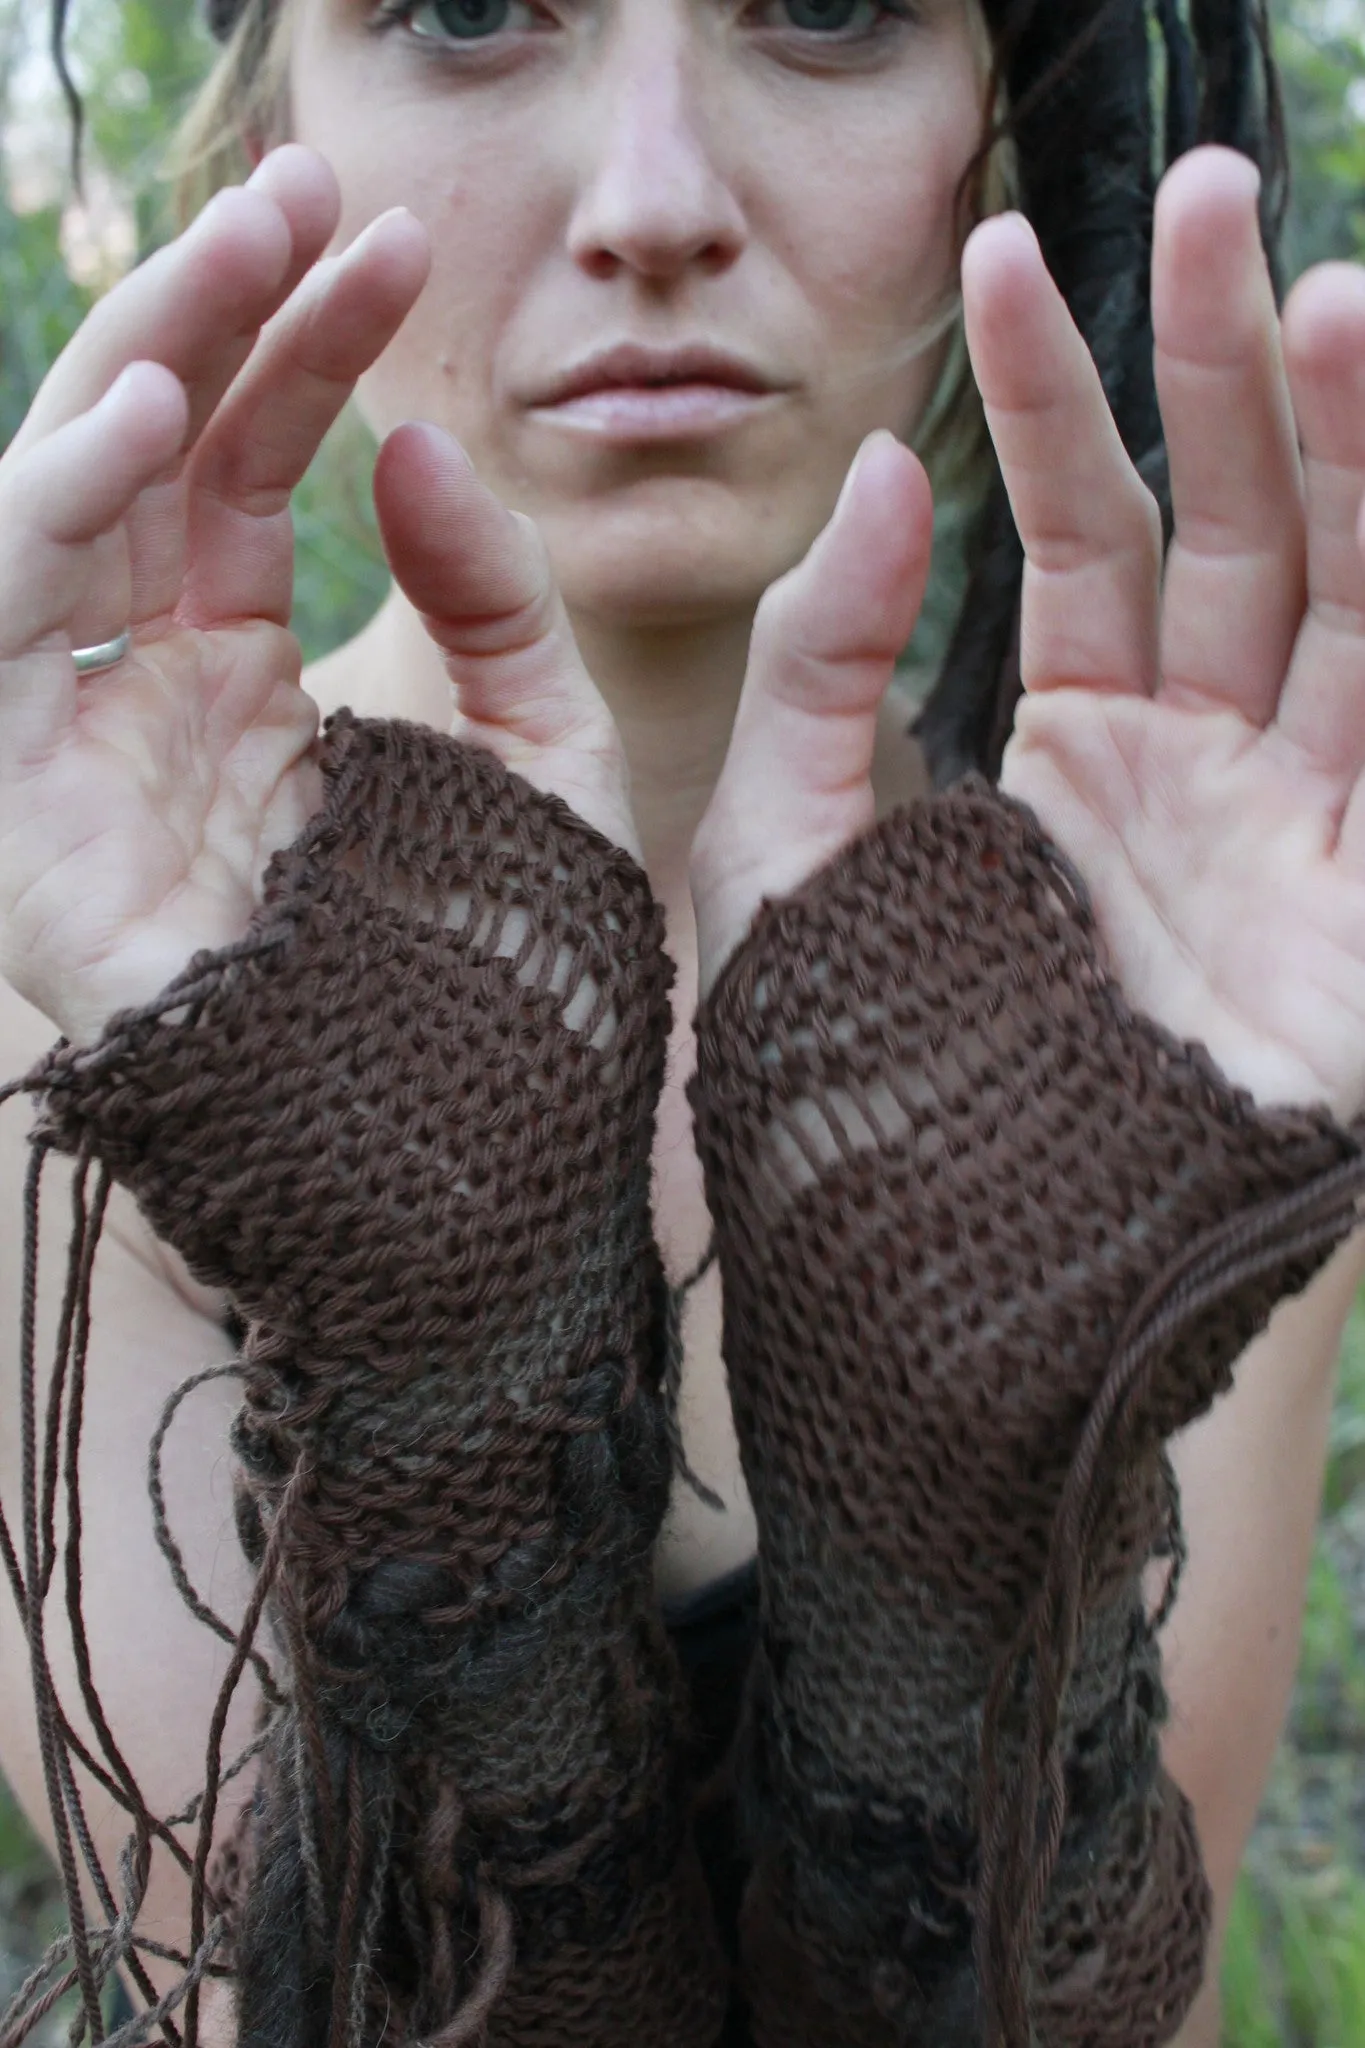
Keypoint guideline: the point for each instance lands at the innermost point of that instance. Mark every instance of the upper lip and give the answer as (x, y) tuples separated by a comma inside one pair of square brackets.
[(632, 363)]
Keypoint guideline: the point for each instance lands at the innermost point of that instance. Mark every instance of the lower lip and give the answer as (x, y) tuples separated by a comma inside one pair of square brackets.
[(658, 412)]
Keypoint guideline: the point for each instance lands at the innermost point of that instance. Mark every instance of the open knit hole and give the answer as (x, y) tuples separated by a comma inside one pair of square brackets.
[(548, 963), (904, 1104), (970, 1080)]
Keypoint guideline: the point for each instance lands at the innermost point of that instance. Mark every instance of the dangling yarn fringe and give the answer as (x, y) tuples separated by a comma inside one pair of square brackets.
[(39, 1567)]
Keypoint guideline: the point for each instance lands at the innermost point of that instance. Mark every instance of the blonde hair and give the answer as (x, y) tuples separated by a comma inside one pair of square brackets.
[(241, 109), (950, 436)]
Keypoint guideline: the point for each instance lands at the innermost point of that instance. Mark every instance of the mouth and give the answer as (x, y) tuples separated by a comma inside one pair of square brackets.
[(632, 393)]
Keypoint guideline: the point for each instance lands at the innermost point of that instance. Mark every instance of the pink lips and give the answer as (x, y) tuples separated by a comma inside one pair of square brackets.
[(634, 393)]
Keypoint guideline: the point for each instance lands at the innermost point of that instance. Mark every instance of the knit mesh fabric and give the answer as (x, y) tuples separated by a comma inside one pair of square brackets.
[(407, 1128), (946, 1165)]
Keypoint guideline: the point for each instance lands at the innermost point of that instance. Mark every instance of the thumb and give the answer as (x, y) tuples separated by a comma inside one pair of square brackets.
[(480, 577), (796, 785)]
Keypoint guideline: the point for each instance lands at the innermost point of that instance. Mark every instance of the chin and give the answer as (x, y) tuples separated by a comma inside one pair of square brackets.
[(658, 573)]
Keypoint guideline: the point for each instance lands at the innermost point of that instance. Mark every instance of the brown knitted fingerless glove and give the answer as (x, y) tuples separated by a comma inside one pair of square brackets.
[(406, 1125), (987, 1239)]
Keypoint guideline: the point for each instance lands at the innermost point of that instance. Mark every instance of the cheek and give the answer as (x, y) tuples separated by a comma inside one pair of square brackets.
[(891, 247), (475, 194), (443, 360), (876, 237)]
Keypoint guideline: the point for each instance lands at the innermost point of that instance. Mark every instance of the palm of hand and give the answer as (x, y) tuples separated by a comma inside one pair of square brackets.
[(150, 487), (1230, 902), (168, 792), (1191, 739)]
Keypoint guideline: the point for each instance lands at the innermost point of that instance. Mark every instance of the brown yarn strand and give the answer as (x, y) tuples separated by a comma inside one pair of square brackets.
[(43, 1689), (988, 1240), (44, 1475), (1016, 1864), (674, 1354), (74, 1337), (496, 1953), (405, 1126), (213, 1775), (165, 1538)]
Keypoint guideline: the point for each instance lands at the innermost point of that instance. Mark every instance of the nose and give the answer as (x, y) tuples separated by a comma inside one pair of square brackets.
[(653, 200)]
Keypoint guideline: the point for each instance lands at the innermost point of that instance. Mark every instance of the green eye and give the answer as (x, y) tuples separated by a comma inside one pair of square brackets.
[(464, 21), (824, 16)]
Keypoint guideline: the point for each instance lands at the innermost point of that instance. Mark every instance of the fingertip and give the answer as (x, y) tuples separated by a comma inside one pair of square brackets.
[(888, 483), (1004, 241), (240, 218), (1324, 319), (420, 448), (401, 241), (444, 532), (1214, 172), (1206, 219), (155, 396), (303, 185), (1015, 319), (1004, 275), (75, 483)]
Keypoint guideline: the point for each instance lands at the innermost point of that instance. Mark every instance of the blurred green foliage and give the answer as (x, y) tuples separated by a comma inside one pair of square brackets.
[(1321, 46)]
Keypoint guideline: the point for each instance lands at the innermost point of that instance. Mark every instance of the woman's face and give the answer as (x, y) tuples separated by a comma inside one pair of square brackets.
[(728, 218)]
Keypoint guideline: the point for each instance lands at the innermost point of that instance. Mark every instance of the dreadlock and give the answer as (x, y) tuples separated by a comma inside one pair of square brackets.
[(1101, 99)]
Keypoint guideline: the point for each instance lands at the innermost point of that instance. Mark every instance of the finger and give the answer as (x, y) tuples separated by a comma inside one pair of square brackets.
[(1321, 711), (796, 784), (197, 305), (271, 423), (303, 185), (1235, 573), (480, 577), (56, 506), (1090, 528)]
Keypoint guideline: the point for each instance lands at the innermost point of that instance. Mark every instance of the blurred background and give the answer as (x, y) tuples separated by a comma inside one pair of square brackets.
[(1295, 1964)]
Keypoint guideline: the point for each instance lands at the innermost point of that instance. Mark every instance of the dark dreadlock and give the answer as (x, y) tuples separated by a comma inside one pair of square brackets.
[(1102, 95)]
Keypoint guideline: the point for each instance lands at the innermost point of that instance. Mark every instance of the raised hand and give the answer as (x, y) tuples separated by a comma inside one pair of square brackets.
[(149, 489), (1198, 750), (1193, 743)]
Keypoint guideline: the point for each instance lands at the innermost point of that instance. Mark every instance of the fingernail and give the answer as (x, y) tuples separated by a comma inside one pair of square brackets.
[(853, 468), (860, 461), (372, 227), (1018, 223), (1250, 171)]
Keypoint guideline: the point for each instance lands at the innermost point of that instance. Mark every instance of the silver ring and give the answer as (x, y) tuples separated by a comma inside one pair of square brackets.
[(107, 654)]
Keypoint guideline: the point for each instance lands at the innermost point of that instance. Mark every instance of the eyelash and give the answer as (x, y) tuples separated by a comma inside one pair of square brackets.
[(889, 15), (400, 14)]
